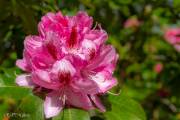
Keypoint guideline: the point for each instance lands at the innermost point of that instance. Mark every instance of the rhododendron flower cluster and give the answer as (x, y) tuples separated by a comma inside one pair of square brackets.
[(70, 61), (172, 35)]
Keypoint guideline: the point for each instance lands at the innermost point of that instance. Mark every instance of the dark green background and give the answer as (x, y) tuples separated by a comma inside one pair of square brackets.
[(139, 49)]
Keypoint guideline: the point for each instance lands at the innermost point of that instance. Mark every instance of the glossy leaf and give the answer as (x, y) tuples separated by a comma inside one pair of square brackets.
[(20, 103), (73, 114), (124, 108)]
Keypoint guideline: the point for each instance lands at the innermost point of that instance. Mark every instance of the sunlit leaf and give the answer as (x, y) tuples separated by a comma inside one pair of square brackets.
[(73, 114), (20, 103), (124, 108)]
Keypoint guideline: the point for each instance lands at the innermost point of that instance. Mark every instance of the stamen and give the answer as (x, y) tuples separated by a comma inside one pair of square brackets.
[(64, 100), (63, 96), (15, 73), (114, 93), (99, 26), (95, 26)]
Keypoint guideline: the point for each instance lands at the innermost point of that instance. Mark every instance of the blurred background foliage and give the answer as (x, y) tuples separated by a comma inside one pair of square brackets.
[(140, 47)]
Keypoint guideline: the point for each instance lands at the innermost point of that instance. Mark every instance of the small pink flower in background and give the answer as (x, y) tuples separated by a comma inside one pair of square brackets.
[(172, 35), (158, 67), (132, 22), (70, 61)]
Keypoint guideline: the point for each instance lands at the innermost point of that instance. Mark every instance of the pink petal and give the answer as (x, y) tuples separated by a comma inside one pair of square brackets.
[(41, 61), (98, 103), (24, 80), (85, 85), (97, 36), (88, 49), (52, 105), (104, 81), (84, 54), (78, 99), (52, 22), (63, 66), (21, 63), (35, 55), (52, 43), (84, 21), (45, 23), (32, 44), (79, 59), (73, 38), (42, 78), (106, 59)]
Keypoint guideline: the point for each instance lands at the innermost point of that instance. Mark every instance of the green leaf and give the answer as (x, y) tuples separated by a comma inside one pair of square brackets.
[(134, 91), (73, 114), (14, 92), (20, 104), (124, 108), (29, 107), (33, 107), (3, 109), (1, 81), (8, 75)]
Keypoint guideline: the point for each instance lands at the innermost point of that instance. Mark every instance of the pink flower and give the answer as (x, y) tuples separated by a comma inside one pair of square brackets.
[(132, 22), (158, 67), (172, 35), (70, 60)]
